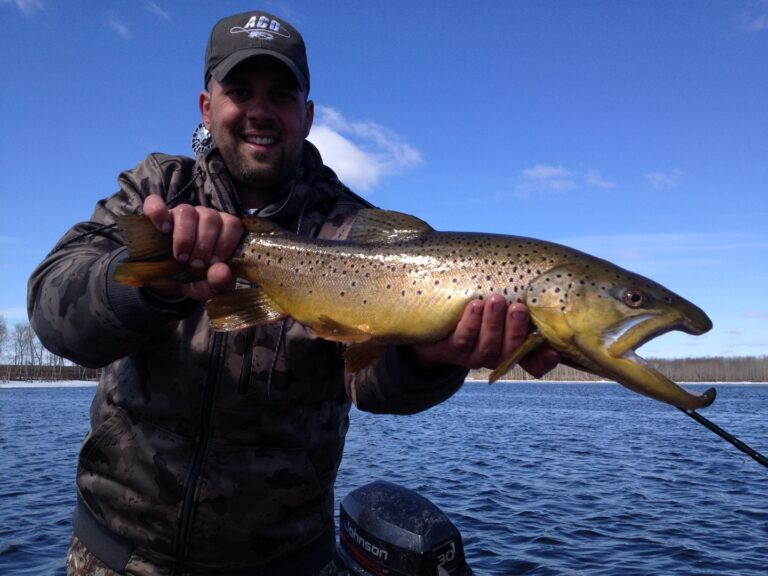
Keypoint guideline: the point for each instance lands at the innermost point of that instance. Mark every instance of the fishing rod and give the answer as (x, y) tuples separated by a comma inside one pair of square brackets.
[(748, 450)]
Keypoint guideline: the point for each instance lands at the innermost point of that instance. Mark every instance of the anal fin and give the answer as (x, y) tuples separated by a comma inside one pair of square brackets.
[(358, 356)]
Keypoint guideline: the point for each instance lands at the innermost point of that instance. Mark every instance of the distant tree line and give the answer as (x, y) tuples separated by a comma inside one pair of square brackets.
[(23, 357), (705, 369)]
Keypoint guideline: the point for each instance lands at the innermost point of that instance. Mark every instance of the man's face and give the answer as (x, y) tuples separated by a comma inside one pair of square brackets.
[(258, 117)]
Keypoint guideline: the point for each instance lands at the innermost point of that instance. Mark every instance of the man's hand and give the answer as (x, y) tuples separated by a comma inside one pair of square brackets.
[(202, 238), (488, 332)]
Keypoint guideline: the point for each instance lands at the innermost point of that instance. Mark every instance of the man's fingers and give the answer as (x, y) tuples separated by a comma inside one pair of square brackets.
[(156, 210), (540, 362), (220, 278), (488, 348), (229, 237), (184, 231), (206, 237), (516, 329), (465, 335)]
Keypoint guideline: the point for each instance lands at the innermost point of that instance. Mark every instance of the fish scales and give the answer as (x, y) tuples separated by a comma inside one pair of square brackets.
[(396, 280), (429, 281)]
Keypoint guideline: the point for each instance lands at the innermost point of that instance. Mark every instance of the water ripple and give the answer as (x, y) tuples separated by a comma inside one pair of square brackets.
[(541, 479)]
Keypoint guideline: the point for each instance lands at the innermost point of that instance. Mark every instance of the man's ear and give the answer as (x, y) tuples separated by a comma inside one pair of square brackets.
[(205, 108), (310, 117)]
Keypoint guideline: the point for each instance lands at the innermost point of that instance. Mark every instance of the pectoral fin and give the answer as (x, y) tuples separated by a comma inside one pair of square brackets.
[(241, 309), (534, 340)]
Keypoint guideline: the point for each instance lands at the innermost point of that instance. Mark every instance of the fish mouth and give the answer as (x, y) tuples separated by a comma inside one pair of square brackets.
[(623, 363), (633, 332)]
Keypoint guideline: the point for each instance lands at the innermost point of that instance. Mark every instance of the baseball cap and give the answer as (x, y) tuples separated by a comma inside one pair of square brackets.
[(236, 38)]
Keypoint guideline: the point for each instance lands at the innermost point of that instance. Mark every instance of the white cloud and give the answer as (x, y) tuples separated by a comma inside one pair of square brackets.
[(544, 178), (26, 7), (756, 24), (595, 180), (669, 251), (157, 11), (663, 180), (361, 153), (119, 27), (756, 314), (551, 178)]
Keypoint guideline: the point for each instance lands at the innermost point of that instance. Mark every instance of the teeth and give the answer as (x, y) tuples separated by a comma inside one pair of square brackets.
[(261, 140)]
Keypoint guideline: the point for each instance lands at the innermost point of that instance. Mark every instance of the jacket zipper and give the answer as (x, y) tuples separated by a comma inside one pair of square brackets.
[(245, 371), (201, 445)]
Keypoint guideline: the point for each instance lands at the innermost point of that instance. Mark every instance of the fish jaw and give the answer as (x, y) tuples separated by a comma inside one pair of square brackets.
[(597, 316), (635, 373)]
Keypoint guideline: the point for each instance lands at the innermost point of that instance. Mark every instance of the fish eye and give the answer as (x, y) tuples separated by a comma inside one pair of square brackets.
[(633, 298)]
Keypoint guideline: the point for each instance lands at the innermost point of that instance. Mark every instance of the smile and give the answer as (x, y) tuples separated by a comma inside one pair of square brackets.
[(260, 140)]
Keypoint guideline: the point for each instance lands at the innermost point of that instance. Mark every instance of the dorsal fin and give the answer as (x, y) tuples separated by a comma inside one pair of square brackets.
[(387, 227), (258, 225)]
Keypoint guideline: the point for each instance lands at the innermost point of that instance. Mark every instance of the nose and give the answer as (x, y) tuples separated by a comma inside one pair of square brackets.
[(260, 108)]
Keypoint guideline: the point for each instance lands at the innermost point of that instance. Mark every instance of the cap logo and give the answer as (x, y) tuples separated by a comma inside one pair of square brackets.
[(261, 27)]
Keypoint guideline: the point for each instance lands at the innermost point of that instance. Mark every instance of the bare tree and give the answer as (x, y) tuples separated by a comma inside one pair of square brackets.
[(3, 336), (27, 349)]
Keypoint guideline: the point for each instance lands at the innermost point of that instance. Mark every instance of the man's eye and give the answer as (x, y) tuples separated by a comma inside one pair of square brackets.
[(238, 94), (284, 95)]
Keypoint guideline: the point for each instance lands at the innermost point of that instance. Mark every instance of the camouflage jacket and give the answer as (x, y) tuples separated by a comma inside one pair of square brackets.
[(210, 452)]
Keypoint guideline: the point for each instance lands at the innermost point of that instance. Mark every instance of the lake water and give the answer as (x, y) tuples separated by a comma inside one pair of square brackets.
[(544, 479)]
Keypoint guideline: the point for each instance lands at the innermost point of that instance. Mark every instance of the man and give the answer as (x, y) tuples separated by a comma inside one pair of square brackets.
[(216, 453)]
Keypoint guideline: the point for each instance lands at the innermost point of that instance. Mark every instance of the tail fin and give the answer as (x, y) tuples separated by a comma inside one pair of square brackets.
[(150, 256)]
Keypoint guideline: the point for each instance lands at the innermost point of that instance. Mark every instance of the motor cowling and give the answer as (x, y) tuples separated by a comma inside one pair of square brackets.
[(386, 529)]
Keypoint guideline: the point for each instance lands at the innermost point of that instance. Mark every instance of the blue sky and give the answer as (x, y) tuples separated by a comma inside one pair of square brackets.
[(637, 131)]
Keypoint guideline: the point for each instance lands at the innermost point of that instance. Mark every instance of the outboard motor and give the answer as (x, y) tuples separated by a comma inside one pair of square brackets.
[(386, 529)]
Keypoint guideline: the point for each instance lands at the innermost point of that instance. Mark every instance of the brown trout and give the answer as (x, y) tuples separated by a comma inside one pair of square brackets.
[(397, 280)]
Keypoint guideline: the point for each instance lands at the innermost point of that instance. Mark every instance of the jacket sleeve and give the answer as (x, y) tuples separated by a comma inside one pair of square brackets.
[(397, 384), (75, 307)]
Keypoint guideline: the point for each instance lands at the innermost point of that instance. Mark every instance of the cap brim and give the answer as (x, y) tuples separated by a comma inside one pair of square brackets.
[(229, 63)]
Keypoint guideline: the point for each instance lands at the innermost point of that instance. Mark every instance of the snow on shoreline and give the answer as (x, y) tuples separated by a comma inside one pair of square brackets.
[(48, 384)]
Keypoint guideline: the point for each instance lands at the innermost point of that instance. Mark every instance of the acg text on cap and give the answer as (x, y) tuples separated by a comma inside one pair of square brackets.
[(242, 36)]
